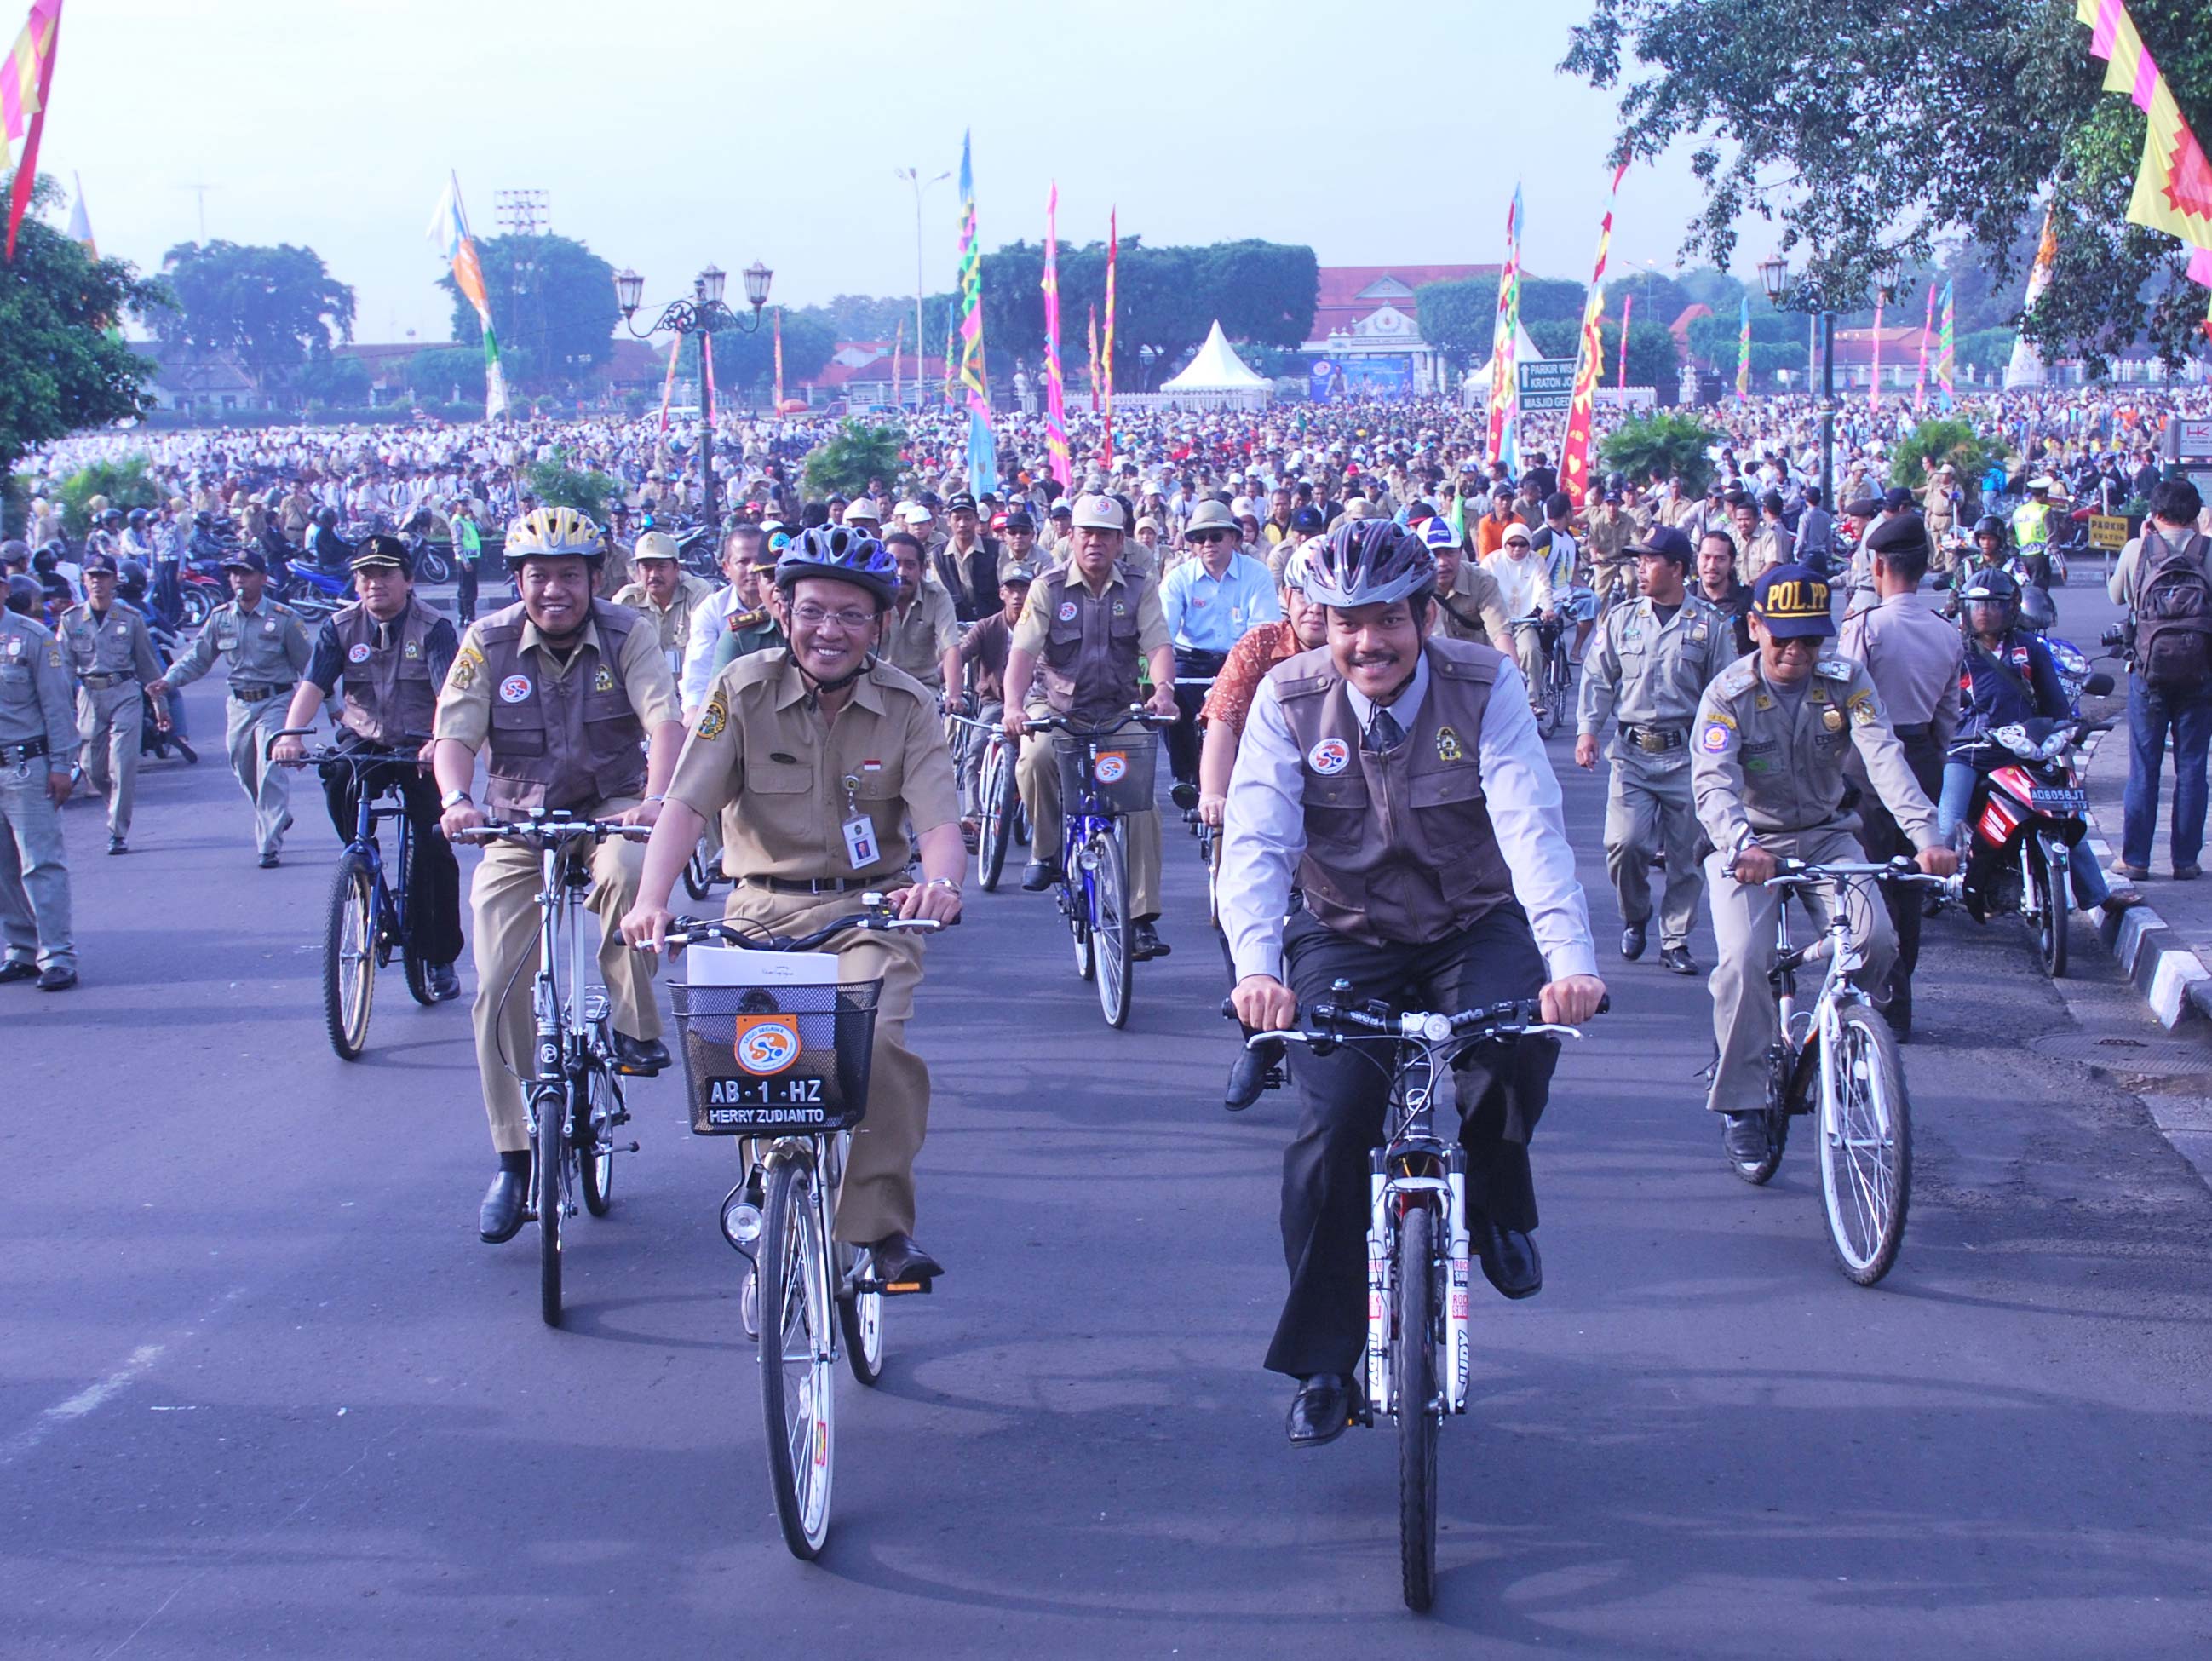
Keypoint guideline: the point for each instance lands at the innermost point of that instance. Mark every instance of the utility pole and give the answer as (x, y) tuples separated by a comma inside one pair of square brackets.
[(913, 176), (527, 213), (200, 192)]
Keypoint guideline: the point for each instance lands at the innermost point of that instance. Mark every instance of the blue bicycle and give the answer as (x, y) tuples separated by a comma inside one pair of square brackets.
[(1106, 774), (367, 919)]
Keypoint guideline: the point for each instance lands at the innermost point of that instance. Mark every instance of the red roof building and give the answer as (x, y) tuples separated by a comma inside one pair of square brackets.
[(1350, 295)]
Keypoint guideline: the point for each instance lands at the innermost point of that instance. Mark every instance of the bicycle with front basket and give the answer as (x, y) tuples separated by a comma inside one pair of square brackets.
[(1837, 1057), (1419, 1349), (573, 1088), (784, 1063)]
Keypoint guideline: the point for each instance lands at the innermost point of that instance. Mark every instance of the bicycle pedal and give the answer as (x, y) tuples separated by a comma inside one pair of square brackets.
[(896, 1288), (637, 1072)]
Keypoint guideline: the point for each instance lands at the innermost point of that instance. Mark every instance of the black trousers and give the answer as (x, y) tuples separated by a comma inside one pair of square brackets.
[(465, 589), (1183, 737), (1501, 1087), (1882, 838), (434, 880)]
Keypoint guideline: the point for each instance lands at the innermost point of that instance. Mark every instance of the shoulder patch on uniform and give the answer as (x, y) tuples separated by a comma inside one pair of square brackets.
[(712, 720), (1834, 668), (1717, 736), (1736, 680)]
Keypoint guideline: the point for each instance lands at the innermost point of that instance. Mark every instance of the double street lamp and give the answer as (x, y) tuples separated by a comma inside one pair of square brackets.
[(1774, 277), (703, 313)]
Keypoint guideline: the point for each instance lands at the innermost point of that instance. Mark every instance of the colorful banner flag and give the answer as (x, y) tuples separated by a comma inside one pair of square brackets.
[(1874, 385), (1106, 355), (449, 231), (2173, 180), (1094, 360), (1945, 357), (898, 349), (1920, 382), (1743, 349), (1589, 363), (80, 222), (668, 382), (1627, 305), (1055, 394), (779, 363), (2026, 367), (982, 445), (1504, 397), (27, 83)]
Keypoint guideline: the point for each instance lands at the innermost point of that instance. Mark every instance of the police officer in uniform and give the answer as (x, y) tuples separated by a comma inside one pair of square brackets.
[(1651, 662), (572, 700), (391, 653), (1913, 657), (109, 650), (38, 735), (1086, 629), (267, 644), (1767, 769), (826, 754)]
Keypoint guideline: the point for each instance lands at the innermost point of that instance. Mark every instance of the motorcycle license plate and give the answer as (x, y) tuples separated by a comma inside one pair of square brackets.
[(2053, 799)]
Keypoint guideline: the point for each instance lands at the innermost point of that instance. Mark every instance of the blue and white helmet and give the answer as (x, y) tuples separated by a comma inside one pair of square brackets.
[(1369, 562), (841, 552)]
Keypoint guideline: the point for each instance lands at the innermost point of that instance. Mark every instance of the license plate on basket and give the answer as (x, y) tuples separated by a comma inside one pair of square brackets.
[(791, 1100), (2053, 799)]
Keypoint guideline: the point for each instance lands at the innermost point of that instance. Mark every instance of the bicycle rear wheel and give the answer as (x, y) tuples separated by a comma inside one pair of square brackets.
[(349, 955), (998, 800), (1212, 847), (1866, 1146), (595, 1139), (861, 1316), (1414, 1370), (548, 1146), (799, 1382), (1109, 876), (417, 967)]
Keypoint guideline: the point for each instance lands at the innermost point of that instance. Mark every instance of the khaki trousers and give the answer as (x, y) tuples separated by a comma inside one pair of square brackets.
[(1647, 808), (111, 721), (1037, 772), (34, 879), (877, 1197), (269, 787), (504, 898), (1743, 929)]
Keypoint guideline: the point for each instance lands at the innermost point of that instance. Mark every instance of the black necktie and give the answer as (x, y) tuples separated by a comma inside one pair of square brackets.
[(1383, 733)]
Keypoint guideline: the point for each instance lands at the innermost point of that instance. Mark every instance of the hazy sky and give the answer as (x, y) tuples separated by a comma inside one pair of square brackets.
[(670, 136)]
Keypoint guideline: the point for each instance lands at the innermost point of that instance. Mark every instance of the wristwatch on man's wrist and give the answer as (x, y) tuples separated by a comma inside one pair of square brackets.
[(453, 799)]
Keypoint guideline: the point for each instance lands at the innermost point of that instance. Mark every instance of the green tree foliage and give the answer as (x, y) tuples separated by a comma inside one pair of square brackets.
[(1778, 340), (1459, 318), (1654, 359), (272, 307), (856, 453), (1667, 443), (1955, 118), (328, 381), (1986, 350), (746, 361), (62, 364), (435, 372), (1659, 299), (125, 484), (1946, 438), (557, 484), (552, 305)]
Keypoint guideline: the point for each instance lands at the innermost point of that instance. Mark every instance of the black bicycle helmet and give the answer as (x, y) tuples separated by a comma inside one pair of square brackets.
[(1369, 562), (843, 553)]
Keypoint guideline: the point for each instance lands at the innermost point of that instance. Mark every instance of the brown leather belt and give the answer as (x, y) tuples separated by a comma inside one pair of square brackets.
[(259, 694), (101, 683), (28, 749)]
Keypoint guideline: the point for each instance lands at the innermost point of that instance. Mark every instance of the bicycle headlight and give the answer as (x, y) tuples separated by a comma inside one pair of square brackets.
[(1435, 1028)]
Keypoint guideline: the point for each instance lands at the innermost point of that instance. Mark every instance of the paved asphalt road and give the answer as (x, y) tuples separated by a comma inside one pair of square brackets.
[(263, 1390)]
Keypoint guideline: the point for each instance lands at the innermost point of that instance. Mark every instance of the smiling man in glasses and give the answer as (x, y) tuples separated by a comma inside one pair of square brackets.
[(1211, 603)]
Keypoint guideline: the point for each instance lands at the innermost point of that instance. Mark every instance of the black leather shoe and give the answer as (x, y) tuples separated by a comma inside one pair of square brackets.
[(1898, 1012), (1248, 1077), (1146, 944), (54, 979), (1320, 1411), (1510, 1264), (899, 1260), (1745, 1139), (1037, 876), (1677, 957), (445, 984), (1631, 942), (268, 861), (18, 972), (643, 1056), (117, 845), (505, 1204)]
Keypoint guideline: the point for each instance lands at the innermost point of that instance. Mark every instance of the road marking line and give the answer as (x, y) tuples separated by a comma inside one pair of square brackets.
[(99, 1393)]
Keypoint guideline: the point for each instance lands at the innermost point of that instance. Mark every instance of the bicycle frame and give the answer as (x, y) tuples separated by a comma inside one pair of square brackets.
[(1839, 988), (559, 1023), (1402, 1173)]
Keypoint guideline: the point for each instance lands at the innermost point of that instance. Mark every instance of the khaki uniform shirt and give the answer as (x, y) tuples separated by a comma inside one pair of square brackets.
[(34, 689), (465, 704), (1913, 657), (1645, 673), (1764, 763), (918, 641), (1063, 597), (1474, 610), (268, 646), (673, 626), (1611, 531), (117, 643), (760, 744)]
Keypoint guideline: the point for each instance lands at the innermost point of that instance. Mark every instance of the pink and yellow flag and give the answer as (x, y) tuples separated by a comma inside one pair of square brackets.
[(1106, 352), (1574, 456), (1055, 392), (27, 82), (2173, 179)]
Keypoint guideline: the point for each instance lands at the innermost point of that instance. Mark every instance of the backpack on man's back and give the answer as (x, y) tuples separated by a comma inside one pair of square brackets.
[(2172, 603)]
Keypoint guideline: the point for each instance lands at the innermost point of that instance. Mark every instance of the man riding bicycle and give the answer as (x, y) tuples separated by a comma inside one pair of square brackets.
[(826, 753), (1400, 777), (391, 653), (571, 699)]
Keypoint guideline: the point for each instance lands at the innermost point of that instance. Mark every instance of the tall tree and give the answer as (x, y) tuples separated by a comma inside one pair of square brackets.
[(1868, 133), (62, 361), (271, 306), (553, 306)]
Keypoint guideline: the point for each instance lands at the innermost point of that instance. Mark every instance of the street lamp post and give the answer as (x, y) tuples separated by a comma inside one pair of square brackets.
[(913, 176), (701, 313), (1774, 276)]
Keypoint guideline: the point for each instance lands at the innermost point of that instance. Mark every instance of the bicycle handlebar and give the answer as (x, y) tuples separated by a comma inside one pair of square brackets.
[(1797, 873), (553, 831), (693, 931), (1330, 1024), (1136, 712), (361, 755)]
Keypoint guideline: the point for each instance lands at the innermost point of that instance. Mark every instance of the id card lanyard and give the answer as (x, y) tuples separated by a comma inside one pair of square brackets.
[(859, 830)]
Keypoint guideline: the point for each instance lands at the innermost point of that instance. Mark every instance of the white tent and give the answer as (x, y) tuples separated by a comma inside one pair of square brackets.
[(1524, 351), (1217, 369)]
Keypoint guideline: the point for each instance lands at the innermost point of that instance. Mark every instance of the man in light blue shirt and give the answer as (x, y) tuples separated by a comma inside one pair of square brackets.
[(1211, 602)]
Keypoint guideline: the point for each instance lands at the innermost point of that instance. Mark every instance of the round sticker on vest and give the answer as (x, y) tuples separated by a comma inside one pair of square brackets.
[(1112, 766), (358, 652), (1329, 756), (1067, 611), (514, 688)]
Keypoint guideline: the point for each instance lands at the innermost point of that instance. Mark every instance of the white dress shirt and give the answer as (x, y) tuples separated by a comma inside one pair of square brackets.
[(1264, 832), (710, 620)]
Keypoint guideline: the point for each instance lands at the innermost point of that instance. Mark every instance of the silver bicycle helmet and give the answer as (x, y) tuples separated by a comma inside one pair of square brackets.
[(1369, 562)]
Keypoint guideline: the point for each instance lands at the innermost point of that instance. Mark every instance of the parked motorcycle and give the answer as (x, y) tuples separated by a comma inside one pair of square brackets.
[(2025, 816)]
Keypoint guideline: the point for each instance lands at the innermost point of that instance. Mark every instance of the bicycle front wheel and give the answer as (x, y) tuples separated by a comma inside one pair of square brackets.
[(595, 1139), (1212, 848), (698, 876), (2054, 894), (1866, 1146), (548, 1146), (1109, 929), (799, 1381), (1414, 1368), (349, 955), (999, 800)]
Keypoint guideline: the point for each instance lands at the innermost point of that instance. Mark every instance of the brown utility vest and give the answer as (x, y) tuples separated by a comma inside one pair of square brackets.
[(1399, 847), (565, 743), (1089, 664), (389, 694)]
